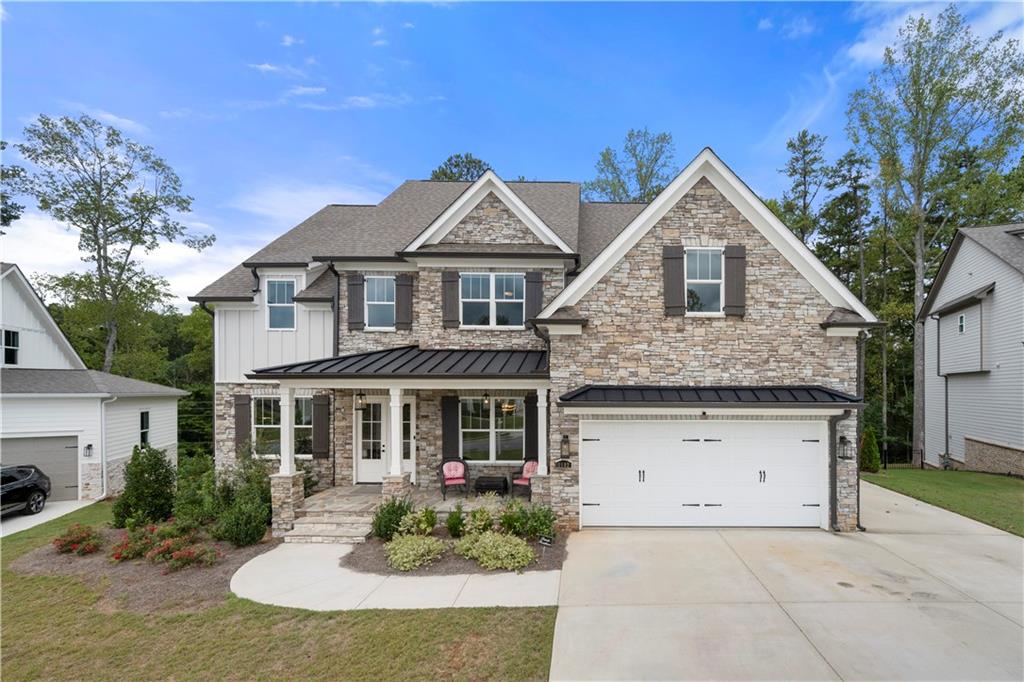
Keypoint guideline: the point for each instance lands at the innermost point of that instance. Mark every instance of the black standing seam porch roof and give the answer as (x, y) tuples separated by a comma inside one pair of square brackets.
[(710, 396), (416, 362)]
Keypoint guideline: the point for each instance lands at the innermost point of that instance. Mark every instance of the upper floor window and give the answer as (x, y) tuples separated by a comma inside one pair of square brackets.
[(704, 281), (266, 424), (11, 344), (281, 304), (144, 427), (380, 303), (492, 299), (961, 323)]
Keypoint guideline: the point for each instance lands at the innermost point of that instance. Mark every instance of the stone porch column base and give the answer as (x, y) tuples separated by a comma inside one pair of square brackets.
[(396, 486), (540, 489), (286, 497)]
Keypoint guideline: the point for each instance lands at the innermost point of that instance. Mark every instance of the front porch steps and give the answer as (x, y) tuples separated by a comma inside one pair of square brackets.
[(328, 527)]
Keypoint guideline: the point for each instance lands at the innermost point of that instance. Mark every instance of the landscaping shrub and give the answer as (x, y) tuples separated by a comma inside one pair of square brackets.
[(148, 488), (245, 521), (456, 521), (494, 550), (389, 515), (163, 550), (420, 522), (480, 520), (79, 539), (193, 555), (196, 500), (870, 460), (134, 544), (309, 478), (540, 520), (513, 518), (406, 552)]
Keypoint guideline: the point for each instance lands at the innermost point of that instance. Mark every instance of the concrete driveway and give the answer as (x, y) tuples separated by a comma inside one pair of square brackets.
[(17, 522), (925, 594)]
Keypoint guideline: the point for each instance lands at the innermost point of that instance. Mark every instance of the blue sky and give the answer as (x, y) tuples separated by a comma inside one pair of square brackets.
[(270, 110)]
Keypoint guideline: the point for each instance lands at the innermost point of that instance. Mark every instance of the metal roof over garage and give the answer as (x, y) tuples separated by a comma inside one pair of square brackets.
[(709, 396)]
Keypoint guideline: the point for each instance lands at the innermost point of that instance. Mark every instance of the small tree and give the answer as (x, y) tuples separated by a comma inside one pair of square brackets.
[(869, 459), (148, 494), (806, 170), (639, 173), (460, 167)]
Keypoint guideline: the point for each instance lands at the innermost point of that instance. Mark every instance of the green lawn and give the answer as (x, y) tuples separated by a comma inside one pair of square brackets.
[(989, 498), (52, 630)]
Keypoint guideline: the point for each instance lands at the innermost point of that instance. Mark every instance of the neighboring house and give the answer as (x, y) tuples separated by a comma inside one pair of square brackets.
[(685, 362), (974, 357), (78, 425)]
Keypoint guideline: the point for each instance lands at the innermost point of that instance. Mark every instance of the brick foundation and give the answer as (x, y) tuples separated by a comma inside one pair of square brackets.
[(992, 458)]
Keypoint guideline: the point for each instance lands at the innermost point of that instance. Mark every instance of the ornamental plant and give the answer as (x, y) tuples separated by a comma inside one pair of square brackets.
[(388, 517), (495, 550), (480, 520), (79, 539), (408, 552), (420, 522), (163, 550), (192, 555), (148, 494), (456, 521), (134, 544), (870, 460)]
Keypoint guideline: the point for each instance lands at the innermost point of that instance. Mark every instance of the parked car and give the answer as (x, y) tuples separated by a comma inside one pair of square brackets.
[(23, 488)]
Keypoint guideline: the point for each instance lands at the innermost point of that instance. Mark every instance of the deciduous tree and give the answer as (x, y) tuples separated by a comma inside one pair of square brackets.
[(639, 172)]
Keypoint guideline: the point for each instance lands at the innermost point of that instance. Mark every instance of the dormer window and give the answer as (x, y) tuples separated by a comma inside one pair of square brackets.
[(704, 281), (11, 345), (281, 304), (492, 299)]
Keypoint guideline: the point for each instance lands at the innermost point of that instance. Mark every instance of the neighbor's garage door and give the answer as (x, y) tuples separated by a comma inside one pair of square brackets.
[(703, 473), (56, 457)]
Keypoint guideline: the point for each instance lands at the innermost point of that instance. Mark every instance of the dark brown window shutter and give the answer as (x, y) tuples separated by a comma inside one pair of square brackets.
[(403, 301), (243, 423), (356, 298), (450, 427), (735, 280), (673, 260), (450, 299), (530, 427), (321, 426), (534, 294)]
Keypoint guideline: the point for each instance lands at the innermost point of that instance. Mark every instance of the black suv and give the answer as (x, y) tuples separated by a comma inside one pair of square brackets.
[(23, 488)]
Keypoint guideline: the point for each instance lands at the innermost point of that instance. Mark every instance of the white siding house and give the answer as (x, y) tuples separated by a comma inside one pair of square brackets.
[(78, 425), (974, 357)]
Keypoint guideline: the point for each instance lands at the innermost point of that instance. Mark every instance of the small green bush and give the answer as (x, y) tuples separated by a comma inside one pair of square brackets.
[(310, 479), (148, 488), (420, 522), (513, 518), (79, 539), (540, 520), (195, 497), (494, 550), (480, 520), (870, 460), (407, 552), (389, 516), (245, 521), (456, 521)]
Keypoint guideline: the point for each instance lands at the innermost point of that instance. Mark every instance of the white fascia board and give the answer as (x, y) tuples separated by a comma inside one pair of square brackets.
[(484, 262), (29, 292), (413, 384), (697, 411), (54, 396), (707, 164), (467, 201), (561, 329), (373, 266), (843, 331)]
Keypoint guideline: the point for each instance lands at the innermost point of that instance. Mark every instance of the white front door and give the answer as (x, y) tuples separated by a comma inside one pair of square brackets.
[(372, 429), (704, 473)]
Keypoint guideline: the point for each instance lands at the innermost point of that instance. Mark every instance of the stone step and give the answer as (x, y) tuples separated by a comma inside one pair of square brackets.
[(341, 533), (341, 516), (314, 525)]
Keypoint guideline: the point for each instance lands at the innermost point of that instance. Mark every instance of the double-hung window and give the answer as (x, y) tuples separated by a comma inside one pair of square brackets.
[(492, 299), (380, 303), (704, 281), (144, 427), (281, 304), (266, 424), (493, 430), (11, 345)]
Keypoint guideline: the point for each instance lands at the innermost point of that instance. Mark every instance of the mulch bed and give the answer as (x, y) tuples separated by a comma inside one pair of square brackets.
[(142, 586), (369, 557)]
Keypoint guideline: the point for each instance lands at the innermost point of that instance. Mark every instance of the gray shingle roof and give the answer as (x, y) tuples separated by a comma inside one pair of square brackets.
[(599, 225), (1000, 240), (758, 396), (844, 317), (413, 361), (15, 380), (321, 288)]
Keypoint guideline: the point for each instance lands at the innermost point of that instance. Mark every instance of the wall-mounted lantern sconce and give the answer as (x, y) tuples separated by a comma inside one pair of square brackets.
[(843, 450), (563, 461), (88, 450), (360, 401), (487, 398)]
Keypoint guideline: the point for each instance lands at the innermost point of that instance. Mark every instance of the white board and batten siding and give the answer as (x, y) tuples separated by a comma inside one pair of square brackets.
[(123, 426), (37, 346), (987, 405), (243, 341)]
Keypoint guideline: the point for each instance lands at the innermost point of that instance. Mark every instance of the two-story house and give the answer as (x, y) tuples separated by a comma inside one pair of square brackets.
[(974, 357), (686, 362), (78, 425)]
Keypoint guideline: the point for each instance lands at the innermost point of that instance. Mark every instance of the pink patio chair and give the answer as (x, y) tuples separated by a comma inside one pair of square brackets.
[(522, 479), (452, 473)]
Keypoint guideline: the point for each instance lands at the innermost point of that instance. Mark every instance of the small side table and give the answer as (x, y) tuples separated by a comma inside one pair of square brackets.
[(486, 484)]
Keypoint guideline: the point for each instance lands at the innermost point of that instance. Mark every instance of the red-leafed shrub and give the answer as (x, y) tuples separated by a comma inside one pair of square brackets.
[(79, 539), (193, 555)]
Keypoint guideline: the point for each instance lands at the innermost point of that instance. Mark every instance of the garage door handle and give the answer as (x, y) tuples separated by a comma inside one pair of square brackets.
[(691, 440), (591, 504), (591, 440), (712, 440), (811, 440), (812, 505), (690, 505), (712, 505)]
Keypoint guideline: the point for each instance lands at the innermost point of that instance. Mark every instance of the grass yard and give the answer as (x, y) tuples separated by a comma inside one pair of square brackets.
[(989, 498), (51, 629)]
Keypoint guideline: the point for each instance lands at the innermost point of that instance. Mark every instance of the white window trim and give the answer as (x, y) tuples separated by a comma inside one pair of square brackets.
[(16, 347), (253, 427), (961, 323), (720, 281), (492, 431), (269, 305), (149, 427), (493, 304), (367, 304)]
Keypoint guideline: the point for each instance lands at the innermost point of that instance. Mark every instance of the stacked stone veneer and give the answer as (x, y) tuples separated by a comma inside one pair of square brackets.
[(629, 340), (491, 222)]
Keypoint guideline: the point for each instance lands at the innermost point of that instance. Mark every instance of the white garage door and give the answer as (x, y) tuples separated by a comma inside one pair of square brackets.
[(704, 473), (57, 457)]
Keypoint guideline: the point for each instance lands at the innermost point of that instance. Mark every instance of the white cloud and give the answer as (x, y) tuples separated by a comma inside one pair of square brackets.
[(380, 42), (282, 69), (765, 24), (377, 31), (372, 101), (408, 25), (186, 113), (289, 40), (310, 61), (285, 203), (124, 124), (797, 28), (303, 90)]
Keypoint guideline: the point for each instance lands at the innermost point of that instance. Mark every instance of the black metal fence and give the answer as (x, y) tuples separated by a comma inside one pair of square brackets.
[(905, 459)]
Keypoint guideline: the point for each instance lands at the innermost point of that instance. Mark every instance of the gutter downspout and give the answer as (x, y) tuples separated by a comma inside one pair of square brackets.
[(205, 308), (334, 307), (833, 484), (103, 443), (862, 338)]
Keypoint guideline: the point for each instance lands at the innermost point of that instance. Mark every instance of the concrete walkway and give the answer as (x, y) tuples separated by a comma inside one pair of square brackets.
[(307, 576), (925, 594), (16, 522)]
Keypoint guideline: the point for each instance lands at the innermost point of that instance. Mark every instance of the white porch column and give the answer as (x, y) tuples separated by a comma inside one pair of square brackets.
[(542, 431), (287, 429), (394, 440)]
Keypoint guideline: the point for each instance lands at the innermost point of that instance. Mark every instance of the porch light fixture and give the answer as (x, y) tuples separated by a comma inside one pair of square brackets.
[(88, 450), (563, 461), (487, 398), (843, 448), (360, 401)]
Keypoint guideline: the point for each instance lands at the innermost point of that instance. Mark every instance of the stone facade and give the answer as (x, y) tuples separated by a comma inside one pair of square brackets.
[(491, 222), (286, 498), (629, 340), (993, 458)]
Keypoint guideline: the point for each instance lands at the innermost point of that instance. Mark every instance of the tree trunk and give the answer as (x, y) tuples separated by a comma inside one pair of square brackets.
[(885, 343), (108, 351), (917, 448)]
